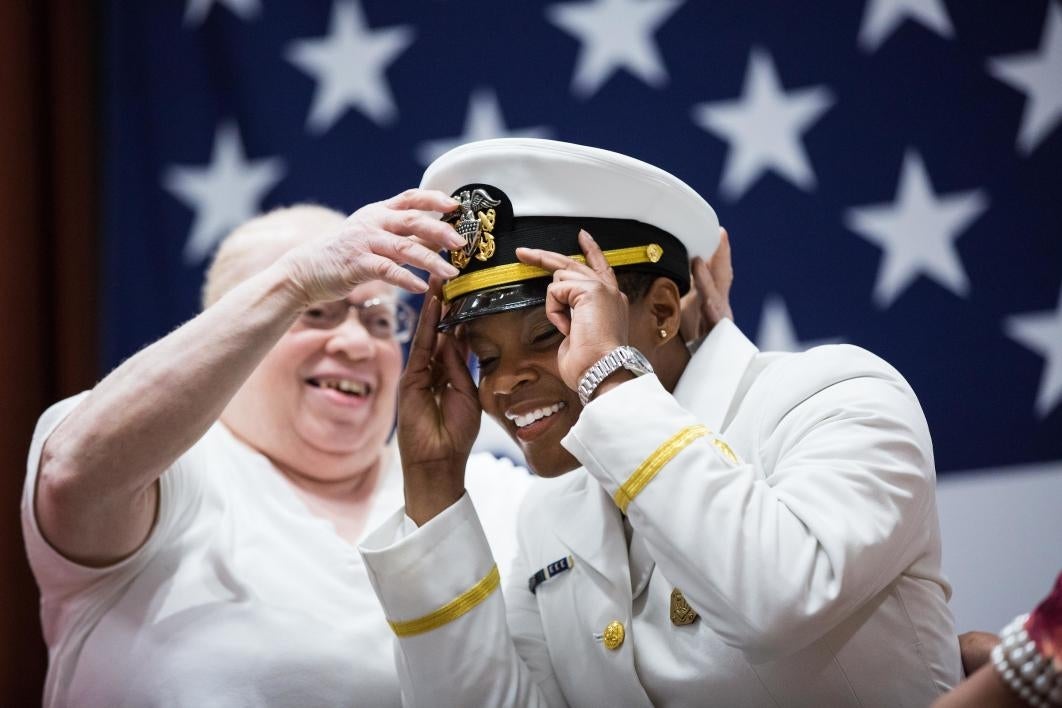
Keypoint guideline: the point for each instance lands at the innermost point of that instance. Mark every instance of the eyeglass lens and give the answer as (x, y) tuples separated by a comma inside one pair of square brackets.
[(382, 319)]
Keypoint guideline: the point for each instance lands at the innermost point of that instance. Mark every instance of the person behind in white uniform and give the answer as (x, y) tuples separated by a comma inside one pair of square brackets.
[(191, 521), (722, 527)]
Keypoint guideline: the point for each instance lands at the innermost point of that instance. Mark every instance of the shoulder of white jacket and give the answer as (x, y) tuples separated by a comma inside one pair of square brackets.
[(788, 381), (828, 364)]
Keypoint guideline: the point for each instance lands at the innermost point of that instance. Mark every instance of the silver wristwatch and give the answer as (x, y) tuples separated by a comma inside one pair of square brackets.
[(623, 357)]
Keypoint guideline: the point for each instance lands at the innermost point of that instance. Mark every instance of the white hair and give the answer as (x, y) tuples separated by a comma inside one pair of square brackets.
[(255, 245)]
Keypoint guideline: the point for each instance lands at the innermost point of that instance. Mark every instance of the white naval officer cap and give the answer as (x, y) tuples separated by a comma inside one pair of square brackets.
[(539, 193)]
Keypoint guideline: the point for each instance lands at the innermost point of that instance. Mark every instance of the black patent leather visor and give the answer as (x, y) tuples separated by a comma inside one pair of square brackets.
[(503, 298)]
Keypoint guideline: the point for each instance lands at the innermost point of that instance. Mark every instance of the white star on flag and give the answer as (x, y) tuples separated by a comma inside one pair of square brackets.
[(348, 65), (483, 121), (1042, 333), (615, 34), (917, 232), (776, 332), (1039, 76), (224, 194), (196, 11), (764, 128), (882, 17)]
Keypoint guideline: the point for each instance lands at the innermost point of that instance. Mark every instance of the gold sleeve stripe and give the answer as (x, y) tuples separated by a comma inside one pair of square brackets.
[(517, 272), (725, 449), (451, 610), (654, 463)]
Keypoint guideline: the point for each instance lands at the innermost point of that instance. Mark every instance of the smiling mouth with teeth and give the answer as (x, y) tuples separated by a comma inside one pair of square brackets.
[(346, 386), (522, 421)]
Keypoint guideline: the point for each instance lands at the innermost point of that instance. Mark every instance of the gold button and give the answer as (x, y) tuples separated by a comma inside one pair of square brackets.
[(614, 634)]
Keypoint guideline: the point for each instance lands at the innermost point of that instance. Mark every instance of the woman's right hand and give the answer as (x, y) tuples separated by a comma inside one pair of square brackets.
[(373, 244), (438, 418)]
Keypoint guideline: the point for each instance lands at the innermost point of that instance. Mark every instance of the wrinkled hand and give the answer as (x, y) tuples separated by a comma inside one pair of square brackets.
[(708, 300), (438, 417), (373, 244), (584, 303)]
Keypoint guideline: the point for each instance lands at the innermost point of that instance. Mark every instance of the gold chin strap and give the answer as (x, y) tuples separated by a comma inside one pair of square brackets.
[(518, 272)]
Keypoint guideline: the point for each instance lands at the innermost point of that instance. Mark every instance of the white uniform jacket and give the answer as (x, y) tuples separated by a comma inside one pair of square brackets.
[(789, 497)]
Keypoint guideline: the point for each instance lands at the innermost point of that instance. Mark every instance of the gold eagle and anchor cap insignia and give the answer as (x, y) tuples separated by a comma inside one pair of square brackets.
[(474, 219)]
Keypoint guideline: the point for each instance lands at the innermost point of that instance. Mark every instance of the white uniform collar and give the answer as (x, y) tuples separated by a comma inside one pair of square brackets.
[(707, 386)]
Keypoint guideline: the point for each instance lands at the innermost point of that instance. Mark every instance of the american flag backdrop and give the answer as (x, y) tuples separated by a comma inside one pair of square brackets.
[(890, 171)]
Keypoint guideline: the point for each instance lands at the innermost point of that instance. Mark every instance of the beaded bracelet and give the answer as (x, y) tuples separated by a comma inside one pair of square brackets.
[(1022, 667)]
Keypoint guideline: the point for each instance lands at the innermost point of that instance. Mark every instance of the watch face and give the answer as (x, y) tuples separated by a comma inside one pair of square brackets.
[(635, 362)]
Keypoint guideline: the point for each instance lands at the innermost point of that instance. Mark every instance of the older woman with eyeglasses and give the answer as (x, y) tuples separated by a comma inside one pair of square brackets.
[(192, 520)]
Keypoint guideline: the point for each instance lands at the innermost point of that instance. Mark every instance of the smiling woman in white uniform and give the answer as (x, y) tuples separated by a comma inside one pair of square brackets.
[(726, 527), (191, 521)]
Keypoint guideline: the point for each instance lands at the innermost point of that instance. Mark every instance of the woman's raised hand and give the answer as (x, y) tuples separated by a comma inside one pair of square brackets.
[(438, 417), (585, 303), (373, 244), (708, 300)]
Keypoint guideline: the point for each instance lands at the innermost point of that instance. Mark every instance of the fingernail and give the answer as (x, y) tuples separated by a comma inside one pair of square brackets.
[(451, 271), (586, 233)]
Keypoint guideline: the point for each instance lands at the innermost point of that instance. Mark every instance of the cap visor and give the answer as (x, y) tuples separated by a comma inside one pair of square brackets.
[(503, 298)]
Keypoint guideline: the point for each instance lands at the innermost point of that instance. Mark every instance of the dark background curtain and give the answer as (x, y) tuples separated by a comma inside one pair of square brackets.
[(48, 272)]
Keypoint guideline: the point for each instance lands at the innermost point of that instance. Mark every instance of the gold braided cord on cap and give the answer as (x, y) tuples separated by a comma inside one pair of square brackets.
[(451, 610), (517, 272), (654, 463)]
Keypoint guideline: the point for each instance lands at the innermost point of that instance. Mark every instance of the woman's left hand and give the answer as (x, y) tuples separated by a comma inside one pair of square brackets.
[(708, 301), (438, 418), (585, 303)]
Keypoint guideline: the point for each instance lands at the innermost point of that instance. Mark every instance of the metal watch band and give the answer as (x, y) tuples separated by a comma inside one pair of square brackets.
[(625, 357)]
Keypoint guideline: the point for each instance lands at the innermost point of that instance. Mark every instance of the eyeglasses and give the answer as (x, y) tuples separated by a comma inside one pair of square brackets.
[(383, 319)]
